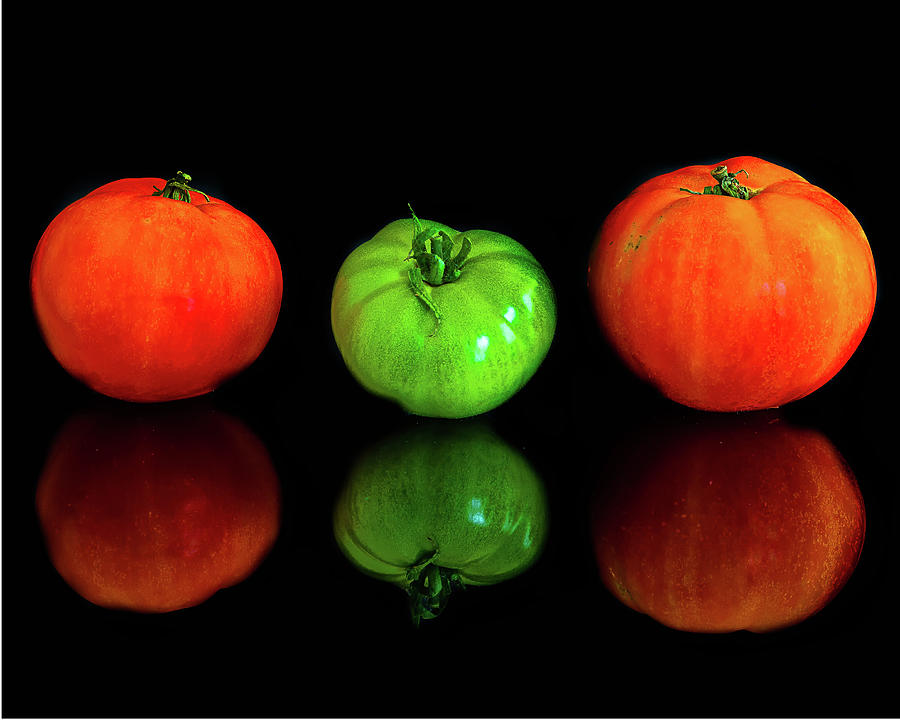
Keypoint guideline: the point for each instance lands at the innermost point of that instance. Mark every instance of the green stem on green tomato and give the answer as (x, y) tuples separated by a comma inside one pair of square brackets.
[(728, 185), (178, 189), (434, 262), (429, 587)]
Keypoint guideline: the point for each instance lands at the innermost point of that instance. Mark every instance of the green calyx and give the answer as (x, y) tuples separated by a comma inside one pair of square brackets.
[(435, 264), (429, 587), (178, 189), (728, 185)]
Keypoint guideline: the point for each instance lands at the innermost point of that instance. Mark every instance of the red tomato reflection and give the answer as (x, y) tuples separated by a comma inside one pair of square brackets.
[(730, 524), (155, 510)]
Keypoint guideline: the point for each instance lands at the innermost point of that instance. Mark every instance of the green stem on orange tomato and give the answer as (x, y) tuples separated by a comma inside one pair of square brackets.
[(728, 185), (178, 189)]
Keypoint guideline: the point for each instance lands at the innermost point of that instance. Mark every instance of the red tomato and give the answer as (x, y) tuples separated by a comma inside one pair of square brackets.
[(733, 302), (146, 297)]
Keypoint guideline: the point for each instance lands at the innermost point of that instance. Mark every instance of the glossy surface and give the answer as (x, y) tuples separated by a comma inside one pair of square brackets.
[(146, 298), (730, 524), (156, 512), (498, 322), (456, 492), (728, 304), (550, 642)]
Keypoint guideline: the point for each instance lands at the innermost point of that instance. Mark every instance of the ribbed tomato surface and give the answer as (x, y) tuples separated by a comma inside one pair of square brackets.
[(147, 298), (727, 303)]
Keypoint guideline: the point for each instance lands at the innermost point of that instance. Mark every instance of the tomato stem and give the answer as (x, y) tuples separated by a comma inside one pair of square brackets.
[(430, 591), (178, 189), (429, 586), (435, 264), (728, 185)]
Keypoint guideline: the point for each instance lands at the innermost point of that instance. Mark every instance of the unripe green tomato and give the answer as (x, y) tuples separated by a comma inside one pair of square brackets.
[(438, 507), (496, 323)]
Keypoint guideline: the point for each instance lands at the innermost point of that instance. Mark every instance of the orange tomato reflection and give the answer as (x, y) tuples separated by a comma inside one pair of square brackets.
[(728, 524), (154, 510)]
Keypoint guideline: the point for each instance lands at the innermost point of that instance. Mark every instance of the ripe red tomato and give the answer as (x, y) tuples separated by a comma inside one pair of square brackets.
[(151, 296), (736, 299)]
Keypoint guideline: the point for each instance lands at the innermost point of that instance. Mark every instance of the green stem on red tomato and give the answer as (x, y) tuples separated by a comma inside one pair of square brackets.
[(178, 189), (728, 185)]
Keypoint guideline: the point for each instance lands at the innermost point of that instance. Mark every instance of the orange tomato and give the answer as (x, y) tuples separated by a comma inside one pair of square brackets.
[(733, 302)]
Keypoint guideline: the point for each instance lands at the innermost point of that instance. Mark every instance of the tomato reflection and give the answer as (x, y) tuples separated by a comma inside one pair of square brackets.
[(729, 523), (154, 510), (439, 507)]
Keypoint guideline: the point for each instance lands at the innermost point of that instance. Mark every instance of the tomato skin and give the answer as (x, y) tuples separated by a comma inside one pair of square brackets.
[(727, 304), (498, 322), (155, 508), (713, 527), (147, 299)]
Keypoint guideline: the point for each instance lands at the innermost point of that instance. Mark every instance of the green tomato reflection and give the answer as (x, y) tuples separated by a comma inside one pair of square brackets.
[(441, 507)]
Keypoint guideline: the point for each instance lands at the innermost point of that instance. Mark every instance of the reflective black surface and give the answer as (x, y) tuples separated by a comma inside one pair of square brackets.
[(307, 634)]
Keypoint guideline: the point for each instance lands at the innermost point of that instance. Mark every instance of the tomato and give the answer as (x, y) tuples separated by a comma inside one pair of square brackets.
[(149, 296), (734, 301), (722, 526), (156, 511), (443, 334), (440, 507)]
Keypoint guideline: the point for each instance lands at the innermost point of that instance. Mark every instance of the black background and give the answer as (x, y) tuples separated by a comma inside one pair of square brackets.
[(323, 143)]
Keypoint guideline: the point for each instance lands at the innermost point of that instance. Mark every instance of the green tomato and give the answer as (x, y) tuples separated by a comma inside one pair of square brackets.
[(440, 507), (443, 335)]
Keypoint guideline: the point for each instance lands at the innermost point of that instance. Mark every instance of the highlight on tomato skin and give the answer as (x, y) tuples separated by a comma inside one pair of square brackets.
[(728, 523), (150, 291), (153, 512), (440, 507), (742, 298)]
